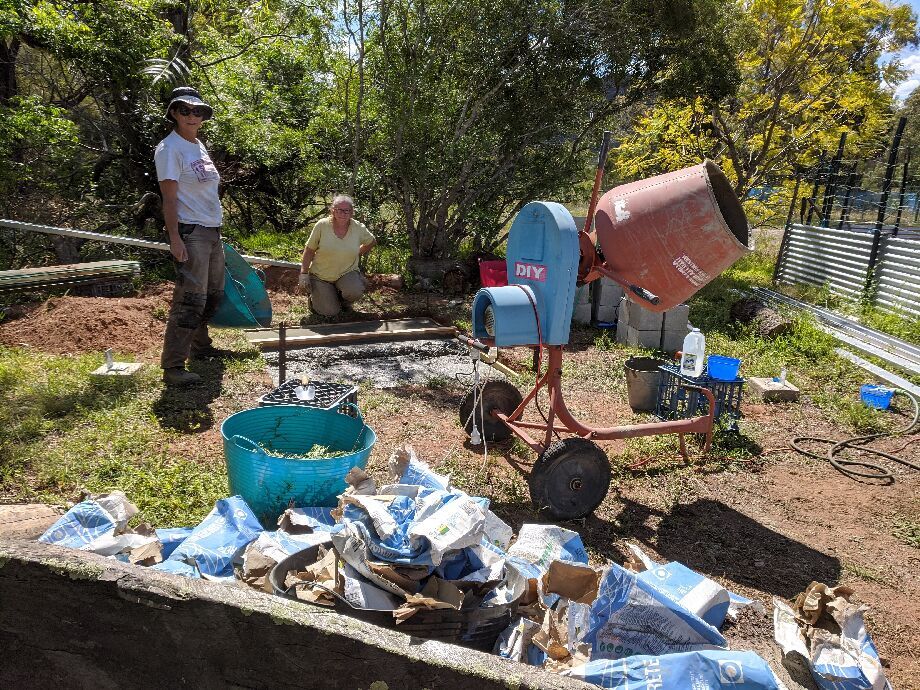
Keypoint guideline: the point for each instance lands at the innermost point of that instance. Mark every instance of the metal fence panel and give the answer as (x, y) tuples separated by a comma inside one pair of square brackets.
[(839, 259), (897, 284), (825, 256)]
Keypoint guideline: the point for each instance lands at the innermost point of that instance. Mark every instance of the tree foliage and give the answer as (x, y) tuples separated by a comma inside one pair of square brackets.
[(442, 117), (809, 71)]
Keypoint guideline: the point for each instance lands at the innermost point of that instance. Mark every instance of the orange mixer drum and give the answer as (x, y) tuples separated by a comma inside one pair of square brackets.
[(673, 233)]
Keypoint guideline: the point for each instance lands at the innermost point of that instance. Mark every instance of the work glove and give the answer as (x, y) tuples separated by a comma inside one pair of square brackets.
[(304, 283)]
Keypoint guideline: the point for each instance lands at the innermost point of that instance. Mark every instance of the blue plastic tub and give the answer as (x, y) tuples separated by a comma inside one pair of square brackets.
[(269, 483), (723, 368), (878, 397)]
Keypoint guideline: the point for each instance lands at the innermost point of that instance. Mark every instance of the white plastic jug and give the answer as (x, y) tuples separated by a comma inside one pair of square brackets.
[(694, 354)]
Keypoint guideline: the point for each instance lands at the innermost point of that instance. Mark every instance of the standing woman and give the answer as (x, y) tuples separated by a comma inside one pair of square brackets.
[(193, 215), (329, 268)]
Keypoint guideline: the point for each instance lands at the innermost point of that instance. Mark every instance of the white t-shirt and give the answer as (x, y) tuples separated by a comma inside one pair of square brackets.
[(190, 165)]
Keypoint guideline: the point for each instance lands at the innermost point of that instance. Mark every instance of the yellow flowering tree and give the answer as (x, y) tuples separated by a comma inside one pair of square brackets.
[(809, 71)]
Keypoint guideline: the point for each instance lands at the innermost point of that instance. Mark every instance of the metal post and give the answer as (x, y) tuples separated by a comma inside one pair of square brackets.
[(814, 189), (852, 178), (889, 172), (831, 187), (282, 353), (897, 222), (787, 228), (886, 189)]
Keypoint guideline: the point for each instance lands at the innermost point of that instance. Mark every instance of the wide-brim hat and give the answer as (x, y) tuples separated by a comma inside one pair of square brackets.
[(191, 98)]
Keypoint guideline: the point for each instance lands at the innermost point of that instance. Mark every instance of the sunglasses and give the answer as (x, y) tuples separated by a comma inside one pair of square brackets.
[(185, 111)]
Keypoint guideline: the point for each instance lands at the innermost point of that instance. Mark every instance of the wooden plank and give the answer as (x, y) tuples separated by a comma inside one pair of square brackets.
[(27, 520), (324, 334)]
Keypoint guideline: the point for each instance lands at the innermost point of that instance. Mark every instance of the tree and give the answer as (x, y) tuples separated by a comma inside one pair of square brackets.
[(481, 107), (810, 71)]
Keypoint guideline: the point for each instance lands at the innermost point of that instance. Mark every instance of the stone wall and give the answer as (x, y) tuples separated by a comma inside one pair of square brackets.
[(75, 620)]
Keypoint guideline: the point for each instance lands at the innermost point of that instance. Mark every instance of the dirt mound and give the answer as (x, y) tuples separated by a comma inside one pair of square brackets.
[(70, 324)]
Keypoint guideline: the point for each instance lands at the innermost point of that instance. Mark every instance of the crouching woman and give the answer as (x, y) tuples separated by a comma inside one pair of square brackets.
[(329, 272)]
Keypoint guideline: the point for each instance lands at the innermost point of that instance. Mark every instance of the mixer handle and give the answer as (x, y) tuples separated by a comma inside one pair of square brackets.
[(470, 342), (604, 150), (649, 297)]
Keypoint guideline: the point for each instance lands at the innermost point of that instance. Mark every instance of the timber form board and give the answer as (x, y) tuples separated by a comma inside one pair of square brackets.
[(345, 333)]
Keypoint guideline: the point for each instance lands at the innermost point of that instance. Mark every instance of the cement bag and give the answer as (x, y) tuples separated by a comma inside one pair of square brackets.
[(844, 661), (214, 543), (406, 468), (539, 545), (704, 670), (296, 520), (446, 522), (171, 537), (631, 617), (89, 525), (697, 593)]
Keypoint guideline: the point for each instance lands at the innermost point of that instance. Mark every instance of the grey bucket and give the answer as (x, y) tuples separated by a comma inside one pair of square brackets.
[(642, 377)]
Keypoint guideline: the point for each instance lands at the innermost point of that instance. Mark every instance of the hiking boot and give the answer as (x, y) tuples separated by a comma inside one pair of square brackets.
[(179, 376)]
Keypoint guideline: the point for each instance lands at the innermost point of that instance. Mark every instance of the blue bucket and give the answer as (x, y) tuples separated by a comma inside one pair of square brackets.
[(878, 397), (269, 483), (245, 303)]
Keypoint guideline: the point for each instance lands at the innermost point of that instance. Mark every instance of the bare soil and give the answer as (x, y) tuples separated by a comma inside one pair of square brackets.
[(764, 528)]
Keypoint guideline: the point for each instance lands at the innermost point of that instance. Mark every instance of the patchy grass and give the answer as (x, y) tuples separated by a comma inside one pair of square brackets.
[(864, 573), (62, 431), (907, 530)]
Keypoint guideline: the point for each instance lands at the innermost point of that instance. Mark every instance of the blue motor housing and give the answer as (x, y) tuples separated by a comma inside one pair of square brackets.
[(542, 261)]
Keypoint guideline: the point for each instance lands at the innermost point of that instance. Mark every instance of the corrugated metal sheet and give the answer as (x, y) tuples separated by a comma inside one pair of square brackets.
[(839, 259), (826, 256), (897, 275)]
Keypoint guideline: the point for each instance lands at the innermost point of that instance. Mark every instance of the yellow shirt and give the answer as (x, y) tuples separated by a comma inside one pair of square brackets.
[(336, 256)]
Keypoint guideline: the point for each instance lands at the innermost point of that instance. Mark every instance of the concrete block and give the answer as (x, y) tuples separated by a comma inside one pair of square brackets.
[(677, 318), (640, 318), (606, 312), (639, 338), (672, 341), (622, 329), (610, 292), (581, 313), (583, 295), (118, 369), (769, 390)]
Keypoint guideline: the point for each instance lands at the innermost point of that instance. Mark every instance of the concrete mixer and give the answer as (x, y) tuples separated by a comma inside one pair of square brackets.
[(662, 239)]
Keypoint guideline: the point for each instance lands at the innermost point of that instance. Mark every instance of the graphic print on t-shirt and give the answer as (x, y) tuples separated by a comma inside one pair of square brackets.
[(204, 169)]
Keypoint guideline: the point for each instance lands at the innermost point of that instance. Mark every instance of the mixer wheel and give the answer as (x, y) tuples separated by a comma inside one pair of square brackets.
[(496, 395), (570, 479)]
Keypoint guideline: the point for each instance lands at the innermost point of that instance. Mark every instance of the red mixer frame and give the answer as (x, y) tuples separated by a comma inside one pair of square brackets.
[(572, 475)]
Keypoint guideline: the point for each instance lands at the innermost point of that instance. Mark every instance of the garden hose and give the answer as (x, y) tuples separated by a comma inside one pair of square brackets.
[(876, 472)]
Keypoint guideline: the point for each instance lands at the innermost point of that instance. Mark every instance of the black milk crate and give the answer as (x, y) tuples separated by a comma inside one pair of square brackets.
[(677, 402), (329, 396)]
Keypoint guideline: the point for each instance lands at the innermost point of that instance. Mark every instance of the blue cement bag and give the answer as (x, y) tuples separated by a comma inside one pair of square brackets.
[(213, 544), (419, 473), (539, 545), (703, 670), (91, 523), (631, 617), (696, 593), (171, 537), (80, 526)]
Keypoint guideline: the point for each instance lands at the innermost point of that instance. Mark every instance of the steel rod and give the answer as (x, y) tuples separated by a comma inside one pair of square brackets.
[(119, 239)]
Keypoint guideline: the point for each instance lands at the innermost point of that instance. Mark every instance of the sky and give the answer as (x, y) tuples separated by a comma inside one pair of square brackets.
[(910, 59)]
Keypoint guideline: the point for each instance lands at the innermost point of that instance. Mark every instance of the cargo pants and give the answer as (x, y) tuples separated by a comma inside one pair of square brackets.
[(198, 293), (324, 295)]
